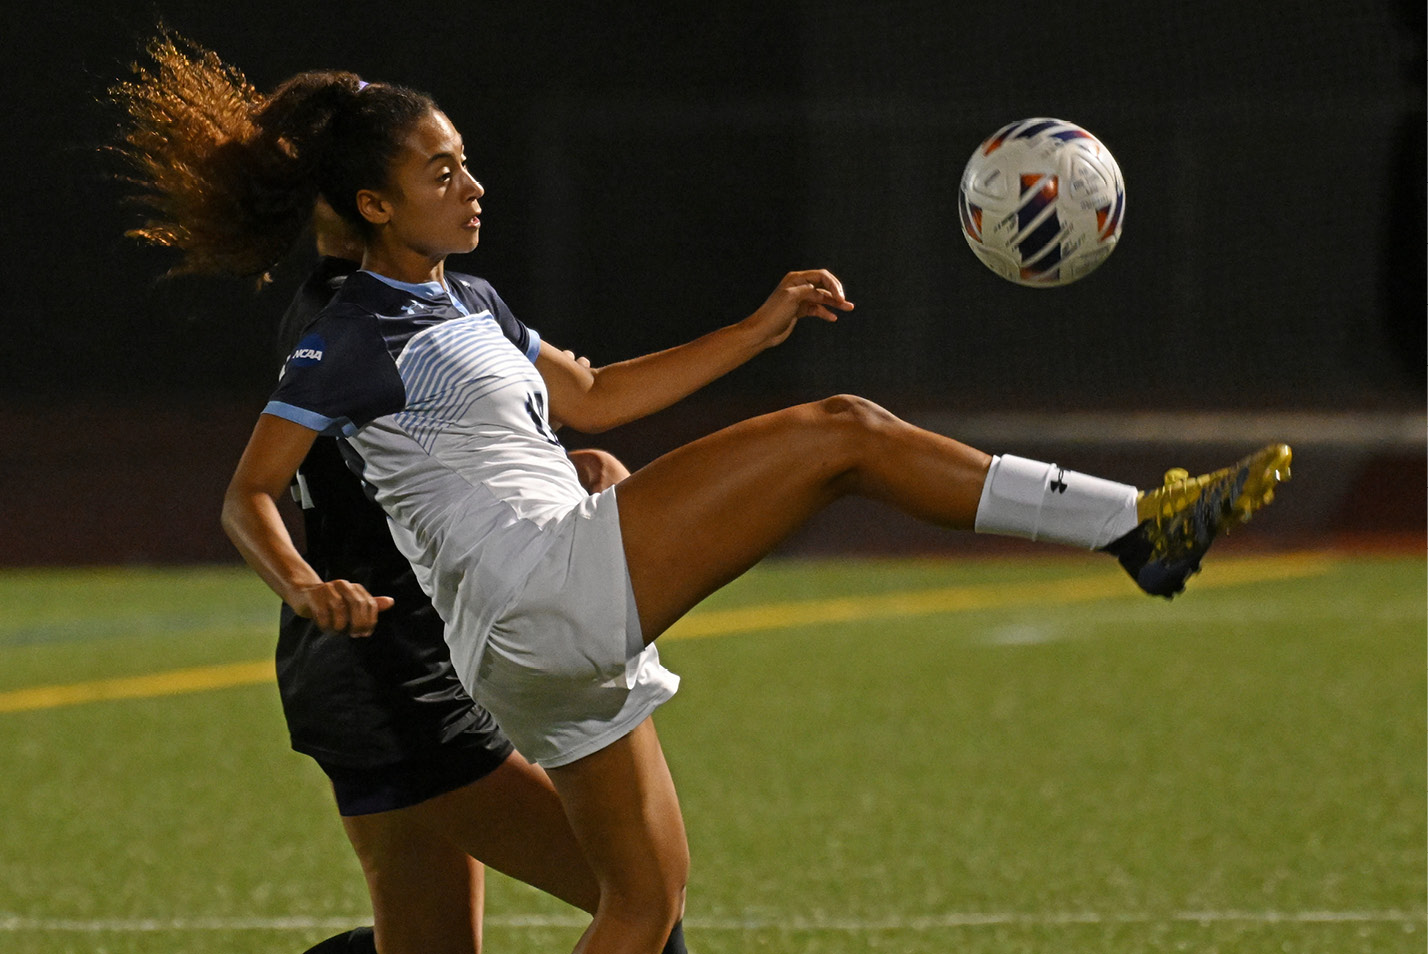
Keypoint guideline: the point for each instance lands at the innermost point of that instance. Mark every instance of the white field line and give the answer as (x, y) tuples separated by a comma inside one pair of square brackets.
[(954, 919)]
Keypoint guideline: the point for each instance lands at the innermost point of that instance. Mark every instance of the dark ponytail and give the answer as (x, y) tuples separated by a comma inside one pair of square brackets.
[(228, 175)]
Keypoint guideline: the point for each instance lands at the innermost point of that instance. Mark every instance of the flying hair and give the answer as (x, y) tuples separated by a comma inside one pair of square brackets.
[(227, 175)]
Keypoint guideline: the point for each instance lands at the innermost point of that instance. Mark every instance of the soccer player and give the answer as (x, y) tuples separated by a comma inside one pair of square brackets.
[(428, 787), (553, 598)]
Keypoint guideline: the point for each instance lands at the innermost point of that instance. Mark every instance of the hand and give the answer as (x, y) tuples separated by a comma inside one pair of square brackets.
[(598, 470), (340, 607), (812, 293)]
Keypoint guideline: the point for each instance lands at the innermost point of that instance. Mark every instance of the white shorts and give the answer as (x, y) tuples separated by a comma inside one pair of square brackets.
[(565, 670)]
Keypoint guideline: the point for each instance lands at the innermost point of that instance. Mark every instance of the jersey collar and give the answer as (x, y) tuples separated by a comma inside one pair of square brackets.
[(431, 291)]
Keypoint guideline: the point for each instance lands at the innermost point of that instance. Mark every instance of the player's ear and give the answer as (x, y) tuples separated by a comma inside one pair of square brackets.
[(372, 207)]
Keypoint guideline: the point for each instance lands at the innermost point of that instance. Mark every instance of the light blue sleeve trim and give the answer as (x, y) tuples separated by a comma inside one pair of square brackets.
[(331, 426), (533, 349)]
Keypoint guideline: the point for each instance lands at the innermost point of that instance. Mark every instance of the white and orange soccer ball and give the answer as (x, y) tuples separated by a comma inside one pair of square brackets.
[(1042, 202)]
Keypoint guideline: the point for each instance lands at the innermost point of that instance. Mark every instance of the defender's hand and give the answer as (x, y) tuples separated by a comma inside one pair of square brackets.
[(341, 607)]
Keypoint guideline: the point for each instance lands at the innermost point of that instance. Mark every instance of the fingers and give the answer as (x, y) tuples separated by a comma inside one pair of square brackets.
[(583, 361), (821, 282), (343, 607), (825, 291)]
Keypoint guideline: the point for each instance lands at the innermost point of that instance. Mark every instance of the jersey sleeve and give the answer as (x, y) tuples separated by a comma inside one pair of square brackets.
[(338, 378), (479, 295), (521, 335)]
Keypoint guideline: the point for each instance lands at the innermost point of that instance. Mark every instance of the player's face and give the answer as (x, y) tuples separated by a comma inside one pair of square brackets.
[(433, 201)]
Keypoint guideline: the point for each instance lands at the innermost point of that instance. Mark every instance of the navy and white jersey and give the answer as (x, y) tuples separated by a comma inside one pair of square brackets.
[(438, 396), (364, 703)]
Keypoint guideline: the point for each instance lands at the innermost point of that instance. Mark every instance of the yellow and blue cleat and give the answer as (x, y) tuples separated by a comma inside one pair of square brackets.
[(1179, 521)]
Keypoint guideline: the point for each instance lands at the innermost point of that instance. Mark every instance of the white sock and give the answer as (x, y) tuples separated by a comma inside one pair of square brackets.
[(1026, 498)]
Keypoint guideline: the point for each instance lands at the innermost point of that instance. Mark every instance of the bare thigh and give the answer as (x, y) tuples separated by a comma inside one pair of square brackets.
[(701, 515), (513, 821), (423, 864)]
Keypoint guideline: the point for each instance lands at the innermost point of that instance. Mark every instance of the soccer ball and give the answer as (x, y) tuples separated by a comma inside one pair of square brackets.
[(1041, 202)]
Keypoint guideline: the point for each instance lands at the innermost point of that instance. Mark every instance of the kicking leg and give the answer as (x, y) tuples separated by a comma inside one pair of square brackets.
[(701, 515)]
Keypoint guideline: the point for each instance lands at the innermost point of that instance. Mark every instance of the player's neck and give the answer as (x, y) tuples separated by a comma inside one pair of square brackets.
[(404, 265)]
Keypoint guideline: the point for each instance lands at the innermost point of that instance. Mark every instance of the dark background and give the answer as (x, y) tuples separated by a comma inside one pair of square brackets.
[(653, 169)]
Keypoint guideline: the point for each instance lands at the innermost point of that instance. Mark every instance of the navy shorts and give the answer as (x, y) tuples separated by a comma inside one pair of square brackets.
[(385, 788)]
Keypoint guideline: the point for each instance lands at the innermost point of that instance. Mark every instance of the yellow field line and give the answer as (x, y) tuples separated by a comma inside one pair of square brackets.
[(171, 683), (951, 599)]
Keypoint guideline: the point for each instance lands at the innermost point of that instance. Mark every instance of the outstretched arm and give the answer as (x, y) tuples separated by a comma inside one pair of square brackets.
[(252, 521), (595, 399)]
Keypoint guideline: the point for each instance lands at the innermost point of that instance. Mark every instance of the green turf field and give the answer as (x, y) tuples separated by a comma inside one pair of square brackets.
[(917, 756)]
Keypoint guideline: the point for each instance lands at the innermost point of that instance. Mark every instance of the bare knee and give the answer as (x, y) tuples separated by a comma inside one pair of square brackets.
[(853, 412), (654, 889), (650, 910), (850, 429)]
